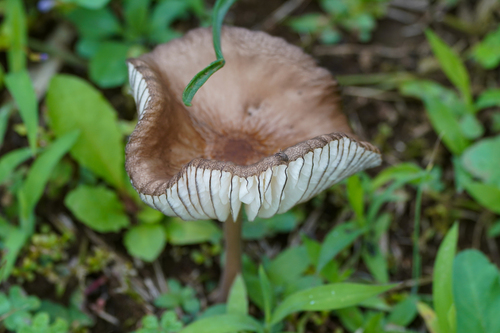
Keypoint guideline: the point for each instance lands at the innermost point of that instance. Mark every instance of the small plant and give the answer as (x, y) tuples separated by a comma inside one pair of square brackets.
[(358, 17), (178, 296), (167, 324), (455, 118)]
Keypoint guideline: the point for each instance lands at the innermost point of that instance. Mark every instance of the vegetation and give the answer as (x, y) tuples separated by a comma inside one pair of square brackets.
[(406, 248)]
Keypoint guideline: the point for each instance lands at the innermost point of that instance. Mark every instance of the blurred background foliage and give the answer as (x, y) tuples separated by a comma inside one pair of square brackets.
[(81, 253)]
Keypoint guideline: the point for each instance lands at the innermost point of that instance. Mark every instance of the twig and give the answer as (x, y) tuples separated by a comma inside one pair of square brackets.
[(410, 283)]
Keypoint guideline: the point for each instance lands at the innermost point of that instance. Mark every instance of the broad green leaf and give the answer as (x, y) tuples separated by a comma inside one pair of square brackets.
[(97, 207), (16, 29), (451, 64), (301, 283), (355, 195), (375, 261), (74, 104), (95, 24), (442, 279), (430, 318), (482, 160), (336, 240), (476, 291), (32, 189), (404, 312), (471, 127), (267, 294), (145, 241), (87, 47), (21, 89), (486, 195), (108, 68), (327, 297), (219, 12), (92, 4), (288, 265), (488, 99), (10, 161), (487, 52), (191, 232), (446, 125), (225, 323), (237, 302)]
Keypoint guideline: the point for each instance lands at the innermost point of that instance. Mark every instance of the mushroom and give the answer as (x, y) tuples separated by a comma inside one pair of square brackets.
[(266, 132)]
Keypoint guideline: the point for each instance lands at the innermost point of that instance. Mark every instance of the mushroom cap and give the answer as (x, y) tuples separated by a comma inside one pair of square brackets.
[(265, 131)]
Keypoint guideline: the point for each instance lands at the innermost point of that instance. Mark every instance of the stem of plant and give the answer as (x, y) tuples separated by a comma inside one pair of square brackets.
[(232, 266)]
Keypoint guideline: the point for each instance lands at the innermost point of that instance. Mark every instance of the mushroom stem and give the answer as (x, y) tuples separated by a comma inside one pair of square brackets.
[(232, 266)]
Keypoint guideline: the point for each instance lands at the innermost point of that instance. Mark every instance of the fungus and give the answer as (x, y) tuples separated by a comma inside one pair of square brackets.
[(264, 133)]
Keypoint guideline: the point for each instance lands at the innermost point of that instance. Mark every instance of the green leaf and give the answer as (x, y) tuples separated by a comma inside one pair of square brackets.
[(336, 240), (375, 261), (136, 16), (97, 207), (225, 323), (355, 195), (442, 279), (5, 112), (162, 17), (429, 317), (476, 290), (108, 68), (288, 266), (191, 232), (451, 64), (74, 104), (260, 227), (404, 312), (16, 28), (486, 195), (91, 4), (471, 127), (40, 324), (487, 52), (95, 24), (220, 9), (482, 160), (267, 294), (10, 161), (328, 297), (32, 189), (237, 302), (446, 125), (494, 229), (11, 248), (488, 99), (311, 23), (21, 89), (145, 241), (351, 317), (395, 172)]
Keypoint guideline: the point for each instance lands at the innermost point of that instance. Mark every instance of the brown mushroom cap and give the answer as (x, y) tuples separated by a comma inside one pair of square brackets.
[(255, 135)]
